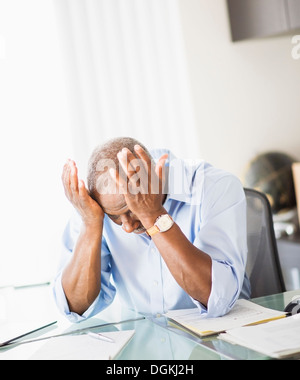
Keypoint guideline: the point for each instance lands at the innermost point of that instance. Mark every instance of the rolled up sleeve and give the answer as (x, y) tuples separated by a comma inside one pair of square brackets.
[(223, 236), (107, 293)]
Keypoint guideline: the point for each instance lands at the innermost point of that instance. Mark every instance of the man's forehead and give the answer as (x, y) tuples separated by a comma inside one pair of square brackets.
[(113, 204)]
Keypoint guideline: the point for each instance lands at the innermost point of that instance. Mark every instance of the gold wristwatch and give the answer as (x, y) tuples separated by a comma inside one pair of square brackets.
[(162, 224)]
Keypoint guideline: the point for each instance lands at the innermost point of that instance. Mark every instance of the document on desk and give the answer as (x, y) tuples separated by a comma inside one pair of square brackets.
[(243, 313), (277, 339), (84, 347)]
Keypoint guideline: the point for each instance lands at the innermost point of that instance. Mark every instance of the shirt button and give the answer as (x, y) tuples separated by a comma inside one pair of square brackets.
[(153, 250), (155, 283)]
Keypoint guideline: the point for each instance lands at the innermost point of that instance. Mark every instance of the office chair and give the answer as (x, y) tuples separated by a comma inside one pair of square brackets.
[(263, 265)]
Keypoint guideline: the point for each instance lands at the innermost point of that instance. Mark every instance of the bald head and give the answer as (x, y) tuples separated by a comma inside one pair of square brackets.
[(102, 159)]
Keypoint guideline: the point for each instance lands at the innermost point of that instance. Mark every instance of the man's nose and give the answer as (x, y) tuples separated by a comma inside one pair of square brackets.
[(129, 223)]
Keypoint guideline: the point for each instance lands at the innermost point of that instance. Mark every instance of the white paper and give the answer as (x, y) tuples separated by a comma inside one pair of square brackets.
[(83, 347), (276, 339), (244, 313)]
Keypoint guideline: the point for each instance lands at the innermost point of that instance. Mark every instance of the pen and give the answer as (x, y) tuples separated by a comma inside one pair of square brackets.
[(100, 337)]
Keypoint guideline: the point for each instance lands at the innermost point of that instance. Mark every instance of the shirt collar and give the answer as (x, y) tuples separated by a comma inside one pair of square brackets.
[(181, 176)]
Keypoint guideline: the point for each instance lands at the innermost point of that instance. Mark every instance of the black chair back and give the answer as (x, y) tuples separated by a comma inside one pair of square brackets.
[(263, 265)]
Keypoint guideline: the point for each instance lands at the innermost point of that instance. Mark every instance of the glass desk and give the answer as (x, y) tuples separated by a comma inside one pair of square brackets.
[(154, 338), (160, 340)]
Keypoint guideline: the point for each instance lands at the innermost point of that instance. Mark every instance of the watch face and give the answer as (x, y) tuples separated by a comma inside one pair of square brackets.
[(164, 223)]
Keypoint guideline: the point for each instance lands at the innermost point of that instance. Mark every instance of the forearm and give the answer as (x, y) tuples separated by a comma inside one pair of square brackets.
[(191, 268), (81, 279)]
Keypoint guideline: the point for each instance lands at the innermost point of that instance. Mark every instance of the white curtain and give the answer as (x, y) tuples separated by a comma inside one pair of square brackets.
[(127, 74), (34, 142)]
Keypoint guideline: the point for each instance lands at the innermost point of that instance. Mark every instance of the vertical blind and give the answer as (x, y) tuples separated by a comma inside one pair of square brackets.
[(127, 74), (73, 74), (34, 142)]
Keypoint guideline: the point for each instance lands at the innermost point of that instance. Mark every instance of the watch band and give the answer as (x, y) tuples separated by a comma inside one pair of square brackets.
[(152, 230)]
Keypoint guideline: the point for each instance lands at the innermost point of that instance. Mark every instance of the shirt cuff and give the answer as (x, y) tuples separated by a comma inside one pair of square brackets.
[(223, 294), (63, 307)]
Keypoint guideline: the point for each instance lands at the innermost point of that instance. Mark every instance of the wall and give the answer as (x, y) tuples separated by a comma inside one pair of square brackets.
[(246, 94)]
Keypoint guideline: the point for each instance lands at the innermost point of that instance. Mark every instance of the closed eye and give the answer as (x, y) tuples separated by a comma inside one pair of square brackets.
[(113, 217)]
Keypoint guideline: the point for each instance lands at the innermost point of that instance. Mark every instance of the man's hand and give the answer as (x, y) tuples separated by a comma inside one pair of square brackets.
[(142, 188), (81, 278), (75, 190)]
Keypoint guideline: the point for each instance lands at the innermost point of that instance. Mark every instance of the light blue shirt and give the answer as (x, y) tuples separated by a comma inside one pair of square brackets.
[(209, 206)]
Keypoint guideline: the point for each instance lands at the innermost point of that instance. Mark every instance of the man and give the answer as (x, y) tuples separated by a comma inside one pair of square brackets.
[(171, 234)]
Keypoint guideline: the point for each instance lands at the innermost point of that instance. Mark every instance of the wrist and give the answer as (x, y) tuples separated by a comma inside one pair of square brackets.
[(93, 226), (149, 219), (162, 224)]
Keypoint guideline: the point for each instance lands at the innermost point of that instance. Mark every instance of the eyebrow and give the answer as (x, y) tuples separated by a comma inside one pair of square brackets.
[(107, 211)]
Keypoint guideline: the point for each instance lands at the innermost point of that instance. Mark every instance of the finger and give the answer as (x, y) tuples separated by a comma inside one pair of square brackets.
[(125, 176), (64, 174), (137, 172), (126, 159), (159, 168), (147, 162), (142, 154), (137, 163), (66, 180), (158, 179), (73, 177)]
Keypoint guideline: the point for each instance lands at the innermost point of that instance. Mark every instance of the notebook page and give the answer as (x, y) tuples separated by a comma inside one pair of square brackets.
[(83, 347), (244, 313), (276, 339)]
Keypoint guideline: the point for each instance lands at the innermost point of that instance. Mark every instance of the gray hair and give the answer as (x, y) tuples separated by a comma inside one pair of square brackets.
[(103, 158)]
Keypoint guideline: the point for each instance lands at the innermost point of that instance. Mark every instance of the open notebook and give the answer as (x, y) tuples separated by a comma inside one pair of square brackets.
[(277, 339), (243, 313), (83, 347)]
